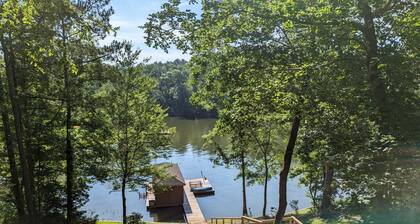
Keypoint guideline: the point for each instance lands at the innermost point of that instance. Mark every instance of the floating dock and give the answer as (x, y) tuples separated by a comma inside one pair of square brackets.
[(201, 186), (192, 210)]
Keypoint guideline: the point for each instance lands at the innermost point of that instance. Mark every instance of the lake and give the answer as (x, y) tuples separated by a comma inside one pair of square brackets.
[(192, 158)]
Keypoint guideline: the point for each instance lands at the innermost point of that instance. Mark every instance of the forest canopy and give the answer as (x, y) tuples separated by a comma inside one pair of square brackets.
[(174, 89)]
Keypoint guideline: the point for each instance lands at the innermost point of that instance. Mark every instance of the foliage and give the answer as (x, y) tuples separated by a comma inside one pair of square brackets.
[(37, 55), (235, 71), (135, 121), (174, 90), (344, 73), (333, 64), (353, 124), (135, 218)]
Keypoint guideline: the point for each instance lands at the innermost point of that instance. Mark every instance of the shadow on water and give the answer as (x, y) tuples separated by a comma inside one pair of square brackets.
[(172, 214)]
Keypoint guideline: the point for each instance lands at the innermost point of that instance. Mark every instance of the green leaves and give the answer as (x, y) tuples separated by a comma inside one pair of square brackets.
[(255, 61), (173, 90), (135, 121), (45, 39)]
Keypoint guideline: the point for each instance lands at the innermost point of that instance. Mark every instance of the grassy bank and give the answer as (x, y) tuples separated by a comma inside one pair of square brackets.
[(108, 222), (309, 216)]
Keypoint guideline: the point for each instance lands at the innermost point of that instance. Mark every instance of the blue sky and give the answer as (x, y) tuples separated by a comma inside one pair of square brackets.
[(129, 14)]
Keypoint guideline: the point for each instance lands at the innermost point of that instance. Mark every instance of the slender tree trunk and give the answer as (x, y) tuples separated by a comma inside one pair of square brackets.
[(126, 153), (32, 179), (377, 85), (17, 115), (69, 148), (124, 205), (244, 204), (327, 191), (16, 188), (28, 145), (69, 168), (285, 171), (264, 212)]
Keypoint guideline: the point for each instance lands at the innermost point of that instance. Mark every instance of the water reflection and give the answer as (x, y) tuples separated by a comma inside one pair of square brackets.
[(189, 132), (192, 160)]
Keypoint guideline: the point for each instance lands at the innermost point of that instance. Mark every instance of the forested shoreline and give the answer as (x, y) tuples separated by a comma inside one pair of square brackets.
[(331, 86), (174, 89)]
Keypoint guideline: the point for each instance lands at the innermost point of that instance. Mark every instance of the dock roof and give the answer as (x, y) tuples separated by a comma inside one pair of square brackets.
[(176, 178)]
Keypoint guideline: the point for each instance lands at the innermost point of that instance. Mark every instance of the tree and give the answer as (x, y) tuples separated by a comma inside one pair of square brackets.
[(11, 30), (75, 20), (236, 154), (10, 148), (36, 71), (340, 143), (348, 39), (266, 139), (174, 90), (136, 123), (343, 74), (236, 48)]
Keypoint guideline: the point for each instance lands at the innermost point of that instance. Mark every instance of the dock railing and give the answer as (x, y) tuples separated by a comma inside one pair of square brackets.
[(249, 220), (226, 220)]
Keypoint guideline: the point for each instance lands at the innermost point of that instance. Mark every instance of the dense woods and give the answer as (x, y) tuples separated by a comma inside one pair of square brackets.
[(173, 90), (324, 91)]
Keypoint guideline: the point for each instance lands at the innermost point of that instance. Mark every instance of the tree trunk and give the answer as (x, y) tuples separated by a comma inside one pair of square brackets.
[(69, 149), (31, 168), (125, 165), (17, 115), (264, 212), (377, 85), (16, 189), (124, 200), (327, 191), (244, 204), (28, 144), (69, 168), (285, 171)]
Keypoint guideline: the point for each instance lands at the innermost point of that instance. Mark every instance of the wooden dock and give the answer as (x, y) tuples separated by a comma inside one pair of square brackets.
[(192, 210)]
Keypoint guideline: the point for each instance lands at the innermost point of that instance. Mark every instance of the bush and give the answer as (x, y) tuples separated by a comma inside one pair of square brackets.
[(135, 218)]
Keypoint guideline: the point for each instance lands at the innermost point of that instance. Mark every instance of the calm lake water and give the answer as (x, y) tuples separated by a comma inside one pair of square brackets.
[(192, 158)]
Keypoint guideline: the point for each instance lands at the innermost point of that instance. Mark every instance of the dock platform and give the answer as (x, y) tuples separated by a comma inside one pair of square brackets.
[(201, 186), (192, 210)]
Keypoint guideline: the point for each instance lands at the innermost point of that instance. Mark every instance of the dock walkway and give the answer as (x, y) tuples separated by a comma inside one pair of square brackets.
[(192, 210)]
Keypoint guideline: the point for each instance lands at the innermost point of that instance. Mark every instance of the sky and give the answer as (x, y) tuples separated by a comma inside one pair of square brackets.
[(129, 15)]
